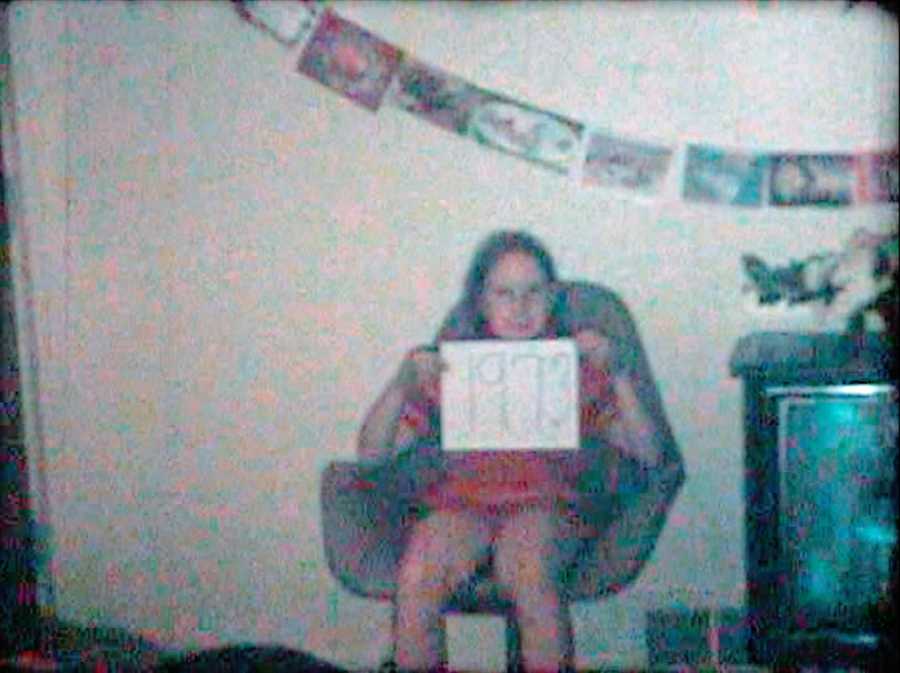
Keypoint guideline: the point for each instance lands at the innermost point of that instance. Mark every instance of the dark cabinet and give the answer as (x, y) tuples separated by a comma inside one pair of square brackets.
[(820, 414)]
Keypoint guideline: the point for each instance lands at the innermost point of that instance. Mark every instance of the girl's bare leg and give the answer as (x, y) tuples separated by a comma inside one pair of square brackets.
[(525, 565), (443, 550)]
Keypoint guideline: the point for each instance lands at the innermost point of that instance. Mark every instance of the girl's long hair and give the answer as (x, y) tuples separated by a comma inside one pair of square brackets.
[(470, 319)]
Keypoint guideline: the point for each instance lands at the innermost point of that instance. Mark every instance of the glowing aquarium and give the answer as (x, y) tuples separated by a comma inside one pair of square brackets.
[(836, 456)]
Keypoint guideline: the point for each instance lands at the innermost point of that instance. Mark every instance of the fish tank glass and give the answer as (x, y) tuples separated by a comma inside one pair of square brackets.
[(837, 523)]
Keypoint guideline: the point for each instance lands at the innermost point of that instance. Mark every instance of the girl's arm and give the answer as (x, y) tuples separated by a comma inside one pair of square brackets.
[(614, 409), (394, 422), (381, 430), (631, 429)]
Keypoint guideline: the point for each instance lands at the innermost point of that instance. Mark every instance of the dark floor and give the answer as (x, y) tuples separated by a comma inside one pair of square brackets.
[(75, 649)]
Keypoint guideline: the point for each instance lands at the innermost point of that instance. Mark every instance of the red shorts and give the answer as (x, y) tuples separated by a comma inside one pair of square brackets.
[(500, 480)]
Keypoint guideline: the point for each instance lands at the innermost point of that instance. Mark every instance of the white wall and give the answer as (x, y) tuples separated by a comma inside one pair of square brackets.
[(244, 256)]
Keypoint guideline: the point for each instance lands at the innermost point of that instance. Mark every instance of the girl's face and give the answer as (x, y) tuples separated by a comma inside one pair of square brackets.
[(516, 298)]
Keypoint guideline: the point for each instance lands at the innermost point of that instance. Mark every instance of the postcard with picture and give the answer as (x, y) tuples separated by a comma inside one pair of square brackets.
[(718, 176), (615, 162), (289, 22), (350, 60), (435, 96), (525, 131), (877, 177), (812, 179)]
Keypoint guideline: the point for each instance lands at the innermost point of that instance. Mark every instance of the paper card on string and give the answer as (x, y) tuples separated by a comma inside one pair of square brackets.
[(509, 395), (812, 179), (718, 176), (349, 59), (542, 137), (435, 96), (290, 22), (618, 163), (877, 178)]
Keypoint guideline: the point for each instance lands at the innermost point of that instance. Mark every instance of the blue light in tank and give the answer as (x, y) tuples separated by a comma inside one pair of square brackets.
[(842, 415), (879, 534)]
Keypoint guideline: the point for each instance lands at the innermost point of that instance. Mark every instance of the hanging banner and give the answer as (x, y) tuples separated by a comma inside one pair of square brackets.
[(350, 60), (613, 162), (369, 71), (812, 179), (718, 176), (435, 96)]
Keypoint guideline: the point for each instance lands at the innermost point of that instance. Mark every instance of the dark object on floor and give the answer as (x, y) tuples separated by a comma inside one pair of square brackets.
[(248, 659), (70, 647)]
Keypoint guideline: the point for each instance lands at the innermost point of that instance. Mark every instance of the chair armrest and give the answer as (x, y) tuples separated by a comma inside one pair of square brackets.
[(363, 527), (627, 542)]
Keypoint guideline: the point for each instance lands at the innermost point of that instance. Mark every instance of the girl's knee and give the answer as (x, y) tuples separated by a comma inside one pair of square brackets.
[(525, 575), (439, 549), (525, 555), (420, 566), (531, 532)]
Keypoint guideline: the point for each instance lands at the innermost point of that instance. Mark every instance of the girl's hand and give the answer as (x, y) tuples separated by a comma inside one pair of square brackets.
[(595, 347), (626, 424), (420, 374)]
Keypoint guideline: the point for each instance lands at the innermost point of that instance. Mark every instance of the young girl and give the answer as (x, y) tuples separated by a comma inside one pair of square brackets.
[(509, 294)]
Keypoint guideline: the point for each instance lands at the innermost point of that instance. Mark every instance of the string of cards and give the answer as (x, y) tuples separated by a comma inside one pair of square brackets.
[(372, 73)]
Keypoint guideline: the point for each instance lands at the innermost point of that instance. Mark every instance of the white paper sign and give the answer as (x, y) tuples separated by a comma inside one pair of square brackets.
[(509, 395)]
